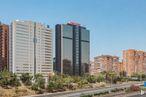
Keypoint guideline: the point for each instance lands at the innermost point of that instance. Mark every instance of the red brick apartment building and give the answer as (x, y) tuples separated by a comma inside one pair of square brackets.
[(134, 61), (4, 46), (105, 63)]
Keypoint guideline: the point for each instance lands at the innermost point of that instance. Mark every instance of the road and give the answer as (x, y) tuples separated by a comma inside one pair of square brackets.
[(138, 95), (78, 93)]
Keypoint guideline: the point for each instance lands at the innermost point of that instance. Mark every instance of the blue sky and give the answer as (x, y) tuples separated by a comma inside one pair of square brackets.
[(114, 25)]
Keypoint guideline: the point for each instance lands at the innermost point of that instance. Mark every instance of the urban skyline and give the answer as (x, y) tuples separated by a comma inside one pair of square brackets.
[(26, 47), (78, 48), (114, 25), (30, 51)]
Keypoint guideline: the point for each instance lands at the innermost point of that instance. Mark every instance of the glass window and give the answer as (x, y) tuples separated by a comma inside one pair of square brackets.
[(67, 56), (67, 31), (85, 34), (85, 57)]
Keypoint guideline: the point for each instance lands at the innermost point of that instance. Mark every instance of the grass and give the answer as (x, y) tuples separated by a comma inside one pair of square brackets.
[(16, 92)]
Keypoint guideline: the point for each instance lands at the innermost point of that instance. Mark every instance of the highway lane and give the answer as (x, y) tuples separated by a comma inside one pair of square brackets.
[(138, 95), (77, 93)]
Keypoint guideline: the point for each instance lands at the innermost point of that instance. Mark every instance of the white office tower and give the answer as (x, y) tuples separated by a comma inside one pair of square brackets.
[(30, 48)]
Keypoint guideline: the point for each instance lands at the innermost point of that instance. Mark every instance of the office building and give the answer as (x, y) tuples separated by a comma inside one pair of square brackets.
[(72, 49), (4, 46), (134, 61), (30, 48)]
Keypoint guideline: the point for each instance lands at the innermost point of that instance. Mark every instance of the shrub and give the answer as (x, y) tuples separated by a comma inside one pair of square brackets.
[(26, 78), (73, 86), (101, 93), (76, 79), (82, 83), (100, 78), (102, 84), (91, 79), (86, 96), (55, 86), (40, 81), (34, 87), (14, 81), (51, 86), (40, 91), (38, 84), (67, 80), (8, 79), (134, 88)]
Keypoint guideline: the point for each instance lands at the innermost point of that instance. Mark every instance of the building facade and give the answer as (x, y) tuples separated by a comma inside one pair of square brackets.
[(93, 69), (106, 63), (30, 48), (72, 49), (134, 61), (120, 67), (4, 47)]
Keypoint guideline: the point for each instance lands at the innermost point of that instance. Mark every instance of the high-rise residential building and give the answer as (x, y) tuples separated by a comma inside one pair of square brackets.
[(4, 46), (72, 49), (30, 48), (134, 61), (106, 63)]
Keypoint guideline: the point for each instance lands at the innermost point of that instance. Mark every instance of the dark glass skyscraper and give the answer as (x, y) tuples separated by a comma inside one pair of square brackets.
[(72, 49)]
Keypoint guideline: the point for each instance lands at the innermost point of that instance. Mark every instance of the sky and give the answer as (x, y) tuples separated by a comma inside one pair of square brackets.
[(115, 25)]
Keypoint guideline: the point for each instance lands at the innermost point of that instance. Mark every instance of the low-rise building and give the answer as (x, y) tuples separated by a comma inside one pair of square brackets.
[(105, 63), (134, 61)]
